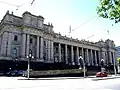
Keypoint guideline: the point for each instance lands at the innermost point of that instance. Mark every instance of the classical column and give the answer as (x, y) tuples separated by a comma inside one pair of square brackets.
[(106, 59), (99, 57), (52, 51), (77, 51), (41, 48), (114, 59), (0, 43), (114, 63), (87, 55), (23, 47), (104, 56), (49, 49), (72, 60), (96, 64), (9, 44), (92, 57), (110, 57), (37, 51), (28, 42), (46, 49), (82, 52), (66, 56), (59, 52), (4, 43)]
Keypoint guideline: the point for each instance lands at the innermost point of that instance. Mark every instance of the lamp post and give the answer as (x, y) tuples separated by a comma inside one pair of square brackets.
[(115, 68), (102, 65), (82, 54), (81, 58), (29, 57), (16, 63), (56, 60)]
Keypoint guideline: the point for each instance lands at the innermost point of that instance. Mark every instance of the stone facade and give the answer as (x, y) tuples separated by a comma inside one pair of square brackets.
[(19, 35), (117, 51)]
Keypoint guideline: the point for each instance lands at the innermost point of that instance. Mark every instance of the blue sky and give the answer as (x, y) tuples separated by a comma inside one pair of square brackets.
[(63, 13)]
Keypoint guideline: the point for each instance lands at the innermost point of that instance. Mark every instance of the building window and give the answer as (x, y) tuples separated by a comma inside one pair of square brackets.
[(14, 52), (15, 38), (31, 40), (44, 43)]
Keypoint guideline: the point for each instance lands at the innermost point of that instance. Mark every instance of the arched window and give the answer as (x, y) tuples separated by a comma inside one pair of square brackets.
[(15, 38), (14, 52)]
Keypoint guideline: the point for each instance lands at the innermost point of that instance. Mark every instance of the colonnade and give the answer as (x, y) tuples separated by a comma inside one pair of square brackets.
[(71, 53)]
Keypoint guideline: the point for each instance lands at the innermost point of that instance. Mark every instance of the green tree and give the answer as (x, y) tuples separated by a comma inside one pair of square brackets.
[(109, 9), (118, 60)]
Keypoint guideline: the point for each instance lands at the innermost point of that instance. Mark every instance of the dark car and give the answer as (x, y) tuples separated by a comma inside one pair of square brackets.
[(12, 73), (20, 72), (15, 73), (101, 74)]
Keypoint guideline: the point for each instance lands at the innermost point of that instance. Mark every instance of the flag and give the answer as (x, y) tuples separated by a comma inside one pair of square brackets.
[(70, 29), (108, 32)]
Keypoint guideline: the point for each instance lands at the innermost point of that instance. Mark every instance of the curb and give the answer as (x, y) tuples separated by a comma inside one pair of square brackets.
[(105, 78), (58, 78)]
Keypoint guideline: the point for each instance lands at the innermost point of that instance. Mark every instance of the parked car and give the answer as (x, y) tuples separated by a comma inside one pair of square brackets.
[(15, 73), (12, 73), (20, 72), (101, 74)]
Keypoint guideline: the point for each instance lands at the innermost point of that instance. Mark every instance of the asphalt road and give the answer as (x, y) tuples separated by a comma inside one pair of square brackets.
[(20, 83)]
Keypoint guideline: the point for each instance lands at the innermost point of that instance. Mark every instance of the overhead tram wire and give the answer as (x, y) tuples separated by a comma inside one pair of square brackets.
[(70, 30), (9, 4), (32, 2), (17, 6)]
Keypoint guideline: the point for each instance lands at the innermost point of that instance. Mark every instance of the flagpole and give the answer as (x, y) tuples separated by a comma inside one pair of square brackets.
[(114, 63), (70, 30), (108, 32)]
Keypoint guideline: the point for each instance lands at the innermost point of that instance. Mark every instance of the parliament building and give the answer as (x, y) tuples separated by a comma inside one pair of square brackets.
[(20, 35)]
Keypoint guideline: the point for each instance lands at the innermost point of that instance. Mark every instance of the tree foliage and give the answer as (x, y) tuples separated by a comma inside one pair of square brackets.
[(118, 59), (109, 9)]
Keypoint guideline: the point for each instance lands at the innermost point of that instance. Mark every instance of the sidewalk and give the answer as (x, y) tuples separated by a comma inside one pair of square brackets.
[(94, 78), (52, 78)]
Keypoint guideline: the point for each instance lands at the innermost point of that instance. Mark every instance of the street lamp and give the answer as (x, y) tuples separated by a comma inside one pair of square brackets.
[(56, 60), (81, 58), (29, 57), (16, 60), (115, 68), (102, 65), (102, 62), (16, 63)]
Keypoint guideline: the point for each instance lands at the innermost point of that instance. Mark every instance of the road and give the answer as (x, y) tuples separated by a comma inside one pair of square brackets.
[(20, 83)]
